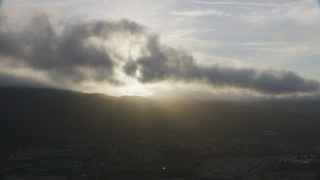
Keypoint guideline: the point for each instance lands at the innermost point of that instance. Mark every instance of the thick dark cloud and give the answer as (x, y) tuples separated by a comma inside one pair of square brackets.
[(165, 63), (65, 53)]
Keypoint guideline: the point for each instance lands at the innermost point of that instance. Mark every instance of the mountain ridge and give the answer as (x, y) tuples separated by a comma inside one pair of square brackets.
[(33, 116)]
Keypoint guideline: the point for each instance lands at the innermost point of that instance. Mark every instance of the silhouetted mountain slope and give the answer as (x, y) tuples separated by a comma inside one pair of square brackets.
[(307, 107), (32, 116)]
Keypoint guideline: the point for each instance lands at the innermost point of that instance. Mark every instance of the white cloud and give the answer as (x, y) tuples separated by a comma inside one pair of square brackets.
[(237, 3), (197, 13), (304, 12)]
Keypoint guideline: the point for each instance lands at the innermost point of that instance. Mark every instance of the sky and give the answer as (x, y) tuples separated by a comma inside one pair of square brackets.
[(237, 49)]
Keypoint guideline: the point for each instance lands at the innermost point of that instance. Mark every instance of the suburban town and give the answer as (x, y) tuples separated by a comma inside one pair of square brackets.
[(169, 158)]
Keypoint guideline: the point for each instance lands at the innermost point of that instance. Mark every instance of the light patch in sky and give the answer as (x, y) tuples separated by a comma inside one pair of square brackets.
[(236, 3)]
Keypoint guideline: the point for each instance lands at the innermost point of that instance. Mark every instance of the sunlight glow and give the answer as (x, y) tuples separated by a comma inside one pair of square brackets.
[(131, 88), (135, 89)]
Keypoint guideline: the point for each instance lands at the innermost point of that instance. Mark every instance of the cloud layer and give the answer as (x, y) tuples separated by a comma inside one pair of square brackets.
[(64, 54), (86, 51), (165, 63)]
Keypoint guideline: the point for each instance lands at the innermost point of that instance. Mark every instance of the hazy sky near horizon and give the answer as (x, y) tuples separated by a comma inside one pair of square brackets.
[(237, 45)]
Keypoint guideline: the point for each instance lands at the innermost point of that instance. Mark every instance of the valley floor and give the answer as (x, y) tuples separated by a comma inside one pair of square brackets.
[(168, 158)]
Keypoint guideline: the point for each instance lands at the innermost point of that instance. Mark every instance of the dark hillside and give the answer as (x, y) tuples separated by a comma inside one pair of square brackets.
[(44, 116)]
